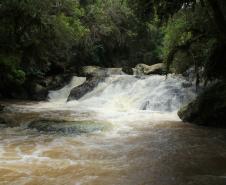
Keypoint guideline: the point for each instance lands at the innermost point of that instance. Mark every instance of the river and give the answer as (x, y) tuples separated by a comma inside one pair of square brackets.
[(125, 132)]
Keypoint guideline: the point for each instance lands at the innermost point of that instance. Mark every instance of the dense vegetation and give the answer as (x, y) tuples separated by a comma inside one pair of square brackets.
[(52, 37), (42, 43)]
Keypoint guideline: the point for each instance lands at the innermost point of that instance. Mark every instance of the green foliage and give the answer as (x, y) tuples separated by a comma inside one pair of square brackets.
[(117, 37), (189, 39), (51, 37), (10, 74)]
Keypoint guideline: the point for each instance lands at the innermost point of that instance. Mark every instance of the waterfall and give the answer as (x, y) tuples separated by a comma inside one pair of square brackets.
[(62, 94), (123, 93)]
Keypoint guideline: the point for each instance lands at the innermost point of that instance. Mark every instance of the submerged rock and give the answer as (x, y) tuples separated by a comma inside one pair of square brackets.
[(143, 69), (79, 91), (208, 109), (68, 127)]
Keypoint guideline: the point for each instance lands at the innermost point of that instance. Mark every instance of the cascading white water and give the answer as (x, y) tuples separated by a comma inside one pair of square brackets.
[(128, 93), (62, 94), (127, 133), (123, 98)]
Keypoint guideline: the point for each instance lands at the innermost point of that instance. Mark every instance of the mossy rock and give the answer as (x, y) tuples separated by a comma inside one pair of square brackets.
[(208, 109), (69, 127)]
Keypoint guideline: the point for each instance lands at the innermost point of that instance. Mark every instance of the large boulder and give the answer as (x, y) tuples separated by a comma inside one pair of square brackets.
[(208, 109), (143, 69), (79, 91)]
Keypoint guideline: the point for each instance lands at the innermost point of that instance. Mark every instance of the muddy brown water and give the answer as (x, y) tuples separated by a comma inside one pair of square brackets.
[(137, 152)]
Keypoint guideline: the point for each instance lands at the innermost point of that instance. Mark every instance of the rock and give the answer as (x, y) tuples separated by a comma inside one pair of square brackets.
[(79, 91), (128, 70), (208, 109), (143, 69), (93, 71), (68, 127)]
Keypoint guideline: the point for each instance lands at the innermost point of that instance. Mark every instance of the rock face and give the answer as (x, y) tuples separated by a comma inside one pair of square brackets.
[(68, 127), (79, 91), (143, 69), (208, 109)]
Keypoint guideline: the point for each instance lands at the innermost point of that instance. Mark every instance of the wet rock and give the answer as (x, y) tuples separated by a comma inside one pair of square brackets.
[(79, 91), (143, 69), (128, 70), (208, 109), (68, 127)]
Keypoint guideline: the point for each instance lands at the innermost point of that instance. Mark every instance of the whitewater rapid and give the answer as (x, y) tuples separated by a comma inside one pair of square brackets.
[(124, 97)]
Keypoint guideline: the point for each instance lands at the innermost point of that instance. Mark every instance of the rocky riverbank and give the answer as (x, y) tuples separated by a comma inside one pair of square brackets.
[(209, 108)]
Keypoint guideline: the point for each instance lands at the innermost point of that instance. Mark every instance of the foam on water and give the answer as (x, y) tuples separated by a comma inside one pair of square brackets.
[(123, 98), (124, 95), (143, 146), (61, 95)]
